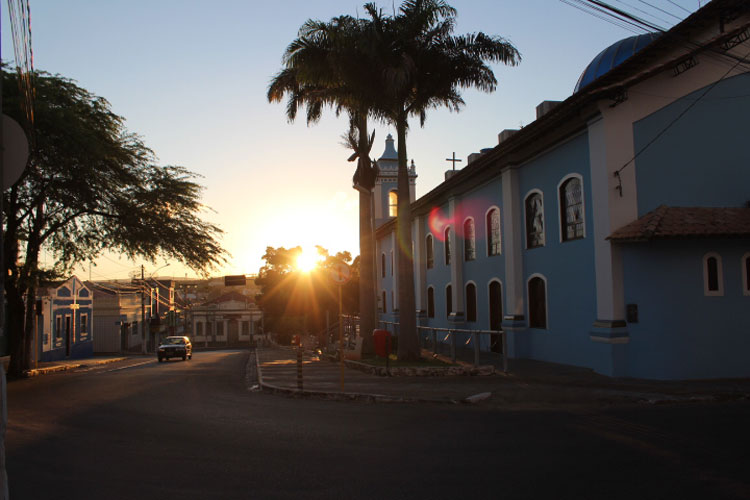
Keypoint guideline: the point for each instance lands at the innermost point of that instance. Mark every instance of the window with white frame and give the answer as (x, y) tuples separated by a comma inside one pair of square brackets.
[(84, 324), (447, 245), (537, 289), (430, 250), (493, 232), (713, 279), (471, 302), (571, 209), (470, 249), (448, 300), (534, 206), (393, 203)]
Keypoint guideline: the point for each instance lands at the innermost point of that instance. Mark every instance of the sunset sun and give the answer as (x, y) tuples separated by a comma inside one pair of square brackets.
[(307, 260)]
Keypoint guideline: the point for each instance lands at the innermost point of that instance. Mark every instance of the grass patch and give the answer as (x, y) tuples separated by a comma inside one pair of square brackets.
[(393, 363)]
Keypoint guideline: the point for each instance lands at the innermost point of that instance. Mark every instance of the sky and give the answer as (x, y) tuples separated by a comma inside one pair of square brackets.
[(190, 77)]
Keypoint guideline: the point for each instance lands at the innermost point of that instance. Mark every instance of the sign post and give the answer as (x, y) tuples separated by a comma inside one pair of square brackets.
[(340, 275)]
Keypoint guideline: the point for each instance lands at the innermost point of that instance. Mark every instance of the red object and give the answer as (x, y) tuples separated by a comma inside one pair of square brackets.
[(382, 339)]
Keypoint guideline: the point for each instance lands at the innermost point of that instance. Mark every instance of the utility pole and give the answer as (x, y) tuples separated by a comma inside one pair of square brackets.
[(143, 313)]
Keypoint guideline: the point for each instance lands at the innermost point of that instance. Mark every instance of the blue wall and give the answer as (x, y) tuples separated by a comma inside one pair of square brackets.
[(567, 266), (681, 333), (679, 169)]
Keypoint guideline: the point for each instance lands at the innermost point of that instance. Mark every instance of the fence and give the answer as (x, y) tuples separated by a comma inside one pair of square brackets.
[(450, 337)]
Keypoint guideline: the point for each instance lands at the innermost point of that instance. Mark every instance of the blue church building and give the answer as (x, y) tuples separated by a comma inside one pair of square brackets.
[(613, 232), (64, 318)]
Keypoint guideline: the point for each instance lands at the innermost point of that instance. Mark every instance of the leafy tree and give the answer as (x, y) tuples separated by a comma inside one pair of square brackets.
[(423, 66), (295, 302), (328, 64), (89, 186)]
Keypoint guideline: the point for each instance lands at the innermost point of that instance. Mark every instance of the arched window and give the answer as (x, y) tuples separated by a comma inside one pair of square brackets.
[(493, 232), (471, 302), (448, 300), (534, 220), (571, 209), (537, 303), (385, 306), (746, 274), (713, 279), (470, 249), (447, 246), (393, 203), (430, 252), (430, 302)]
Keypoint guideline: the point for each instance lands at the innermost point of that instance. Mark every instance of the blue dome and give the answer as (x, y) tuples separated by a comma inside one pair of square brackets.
[(613, 56)]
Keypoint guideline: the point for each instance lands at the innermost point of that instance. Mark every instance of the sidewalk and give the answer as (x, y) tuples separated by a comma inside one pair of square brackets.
[(528, 384), (44, 368)]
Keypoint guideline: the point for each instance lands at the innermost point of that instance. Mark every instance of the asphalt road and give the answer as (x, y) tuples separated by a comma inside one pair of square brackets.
[(191, 430)]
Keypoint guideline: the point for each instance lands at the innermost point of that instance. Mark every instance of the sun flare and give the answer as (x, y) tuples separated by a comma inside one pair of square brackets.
[(307, 260)]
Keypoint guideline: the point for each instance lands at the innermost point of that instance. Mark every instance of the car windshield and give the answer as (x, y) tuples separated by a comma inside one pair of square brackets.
[(173, 340)]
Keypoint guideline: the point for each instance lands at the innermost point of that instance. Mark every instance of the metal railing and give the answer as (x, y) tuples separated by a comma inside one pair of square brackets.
[(450, 339)]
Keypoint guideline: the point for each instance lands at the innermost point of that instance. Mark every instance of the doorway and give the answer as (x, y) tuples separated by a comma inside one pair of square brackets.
[(496, 316)]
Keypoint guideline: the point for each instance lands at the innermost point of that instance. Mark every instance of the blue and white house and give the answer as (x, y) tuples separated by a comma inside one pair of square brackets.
[(64, 318), (614, 231)]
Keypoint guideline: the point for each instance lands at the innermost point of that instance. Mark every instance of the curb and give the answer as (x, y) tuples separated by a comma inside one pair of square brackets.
[(339, 396), (70, 366)]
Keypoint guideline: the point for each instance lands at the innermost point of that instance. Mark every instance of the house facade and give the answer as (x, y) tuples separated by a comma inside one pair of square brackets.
[(231, 319), (64, 320), (614, 231)]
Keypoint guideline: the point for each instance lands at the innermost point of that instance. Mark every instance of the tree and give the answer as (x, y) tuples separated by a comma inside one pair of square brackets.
[(328, 64), (295, 302), (423, 66), (89, 186)]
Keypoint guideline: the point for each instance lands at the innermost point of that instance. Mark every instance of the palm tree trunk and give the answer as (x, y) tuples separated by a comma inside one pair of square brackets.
[(408, 342), (367, 317)]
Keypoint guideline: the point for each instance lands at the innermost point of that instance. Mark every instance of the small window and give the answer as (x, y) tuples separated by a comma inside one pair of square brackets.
[(58, 327), (471, 302), (430, 252), (537, 303), (534, 220), (430, 302), (385, 306), (393, 203), (493, 232), (447, 246), (84, 324), (746, 274), (713, 281), (382, 265), (571, 209), (448, 300), (470, 249)]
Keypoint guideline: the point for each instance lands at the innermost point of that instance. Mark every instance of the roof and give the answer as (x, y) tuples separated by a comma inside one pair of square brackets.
[(686, 222), (613, 56)]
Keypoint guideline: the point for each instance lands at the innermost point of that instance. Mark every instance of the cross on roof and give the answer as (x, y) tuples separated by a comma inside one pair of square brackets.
[(453, 160)]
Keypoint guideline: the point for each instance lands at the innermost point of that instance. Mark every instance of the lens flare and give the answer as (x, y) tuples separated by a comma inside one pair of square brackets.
[(307, 260)]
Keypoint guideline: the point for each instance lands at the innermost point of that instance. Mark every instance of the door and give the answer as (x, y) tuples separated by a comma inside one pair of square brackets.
[(233, 332), (496, 316)]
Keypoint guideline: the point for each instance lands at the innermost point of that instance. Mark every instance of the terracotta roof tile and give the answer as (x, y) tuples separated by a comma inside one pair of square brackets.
[(687, 222)]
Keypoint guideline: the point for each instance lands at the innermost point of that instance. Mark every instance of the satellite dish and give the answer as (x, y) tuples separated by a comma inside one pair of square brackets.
[(15, 151)]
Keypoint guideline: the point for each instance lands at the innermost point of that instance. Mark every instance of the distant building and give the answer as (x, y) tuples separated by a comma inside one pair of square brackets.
[(231, 319), (614, 231), (116, 318), (63, 327)]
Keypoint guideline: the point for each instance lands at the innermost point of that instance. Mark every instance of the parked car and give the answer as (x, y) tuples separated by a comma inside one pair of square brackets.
[(175, 347)]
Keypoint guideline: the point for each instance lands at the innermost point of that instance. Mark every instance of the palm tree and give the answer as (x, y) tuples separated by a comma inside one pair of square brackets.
[(423, 65), (326, 66)]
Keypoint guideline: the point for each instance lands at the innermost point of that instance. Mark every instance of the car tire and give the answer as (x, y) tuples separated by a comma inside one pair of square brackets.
[(184, 357), (190, 356)]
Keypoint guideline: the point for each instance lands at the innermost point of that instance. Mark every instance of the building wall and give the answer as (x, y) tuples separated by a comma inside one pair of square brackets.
[(681, 332), (679, 169)]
